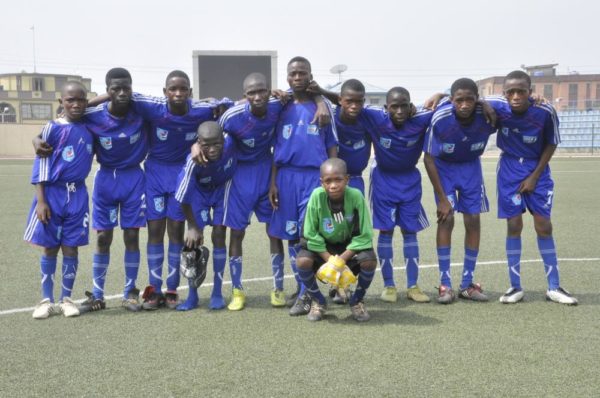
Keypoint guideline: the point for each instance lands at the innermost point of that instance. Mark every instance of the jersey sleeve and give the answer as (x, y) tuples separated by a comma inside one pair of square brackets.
[(364, 240), (314, 240), (147, 106), (41, 166), (551, 131), (331, 136), (186, 182)]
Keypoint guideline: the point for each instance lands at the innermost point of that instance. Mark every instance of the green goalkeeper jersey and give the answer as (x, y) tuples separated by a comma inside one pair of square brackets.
[(351, 226)]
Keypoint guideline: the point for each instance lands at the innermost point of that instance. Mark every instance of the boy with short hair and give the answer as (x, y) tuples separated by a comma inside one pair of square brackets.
[(455, 140), (337, 229), (59, 215), (201, 189)]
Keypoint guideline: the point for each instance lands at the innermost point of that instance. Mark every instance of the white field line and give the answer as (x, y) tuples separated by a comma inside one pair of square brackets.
[(268, 278)]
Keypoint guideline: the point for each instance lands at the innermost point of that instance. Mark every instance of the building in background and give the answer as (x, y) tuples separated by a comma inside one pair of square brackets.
[(373, 95), (221, 73), (32, 98), (572, 92)]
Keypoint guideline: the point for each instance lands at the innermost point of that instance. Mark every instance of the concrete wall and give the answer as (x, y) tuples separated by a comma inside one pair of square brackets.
[(15, 139)]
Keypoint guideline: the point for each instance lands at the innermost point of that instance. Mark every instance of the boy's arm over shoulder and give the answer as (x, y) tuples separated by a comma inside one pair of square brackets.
[(315, 241), (364, 240)]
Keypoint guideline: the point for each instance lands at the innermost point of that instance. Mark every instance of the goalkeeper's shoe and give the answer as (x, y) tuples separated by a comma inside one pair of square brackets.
[(416, 294), (316, 312), (92, 304), (68, 307), (561, 296), (359, 312), (277, 298), (132, 301), (44, 309), (389, 294), (152, 299), (238, 300), (512, 296), (301, 306)]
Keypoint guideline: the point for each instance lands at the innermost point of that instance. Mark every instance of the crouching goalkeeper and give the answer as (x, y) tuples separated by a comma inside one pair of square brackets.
[(337, 241)]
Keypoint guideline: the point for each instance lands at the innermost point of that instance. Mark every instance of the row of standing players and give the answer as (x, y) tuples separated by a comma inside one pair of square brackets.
[(120, 131)]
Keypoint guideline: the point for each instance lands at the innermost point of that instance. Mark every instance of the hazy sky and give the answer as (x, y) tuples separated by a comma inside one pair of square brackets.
[(421, 45)]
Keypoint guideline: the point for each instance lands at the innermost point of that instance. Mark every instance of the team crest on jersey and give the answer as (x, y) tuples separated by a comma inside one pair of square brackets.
[(228, 164), (529, 139), (191, 136), (516, 199), (162, 134), (328, 225), (312, 129), (204, 215), (89, 148), (291, 227), (134, 138), (478, 146), (505, 131), (112, 215), (448, 148), (287, 131), (249, 142), (359, 144), (106, 142), (385, 142), (205, 180), (159, 204), (68, 154)]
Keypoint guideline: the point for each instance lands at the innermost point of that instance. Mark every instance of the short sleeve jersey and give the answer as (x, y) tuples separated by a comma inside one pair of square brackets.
[(525, 135), (195, 177), (450, 140), (354, 142), (120, 142), (300, 143), (171, 136), (320, 227), (397, 149), (252, 135), (71, 159)]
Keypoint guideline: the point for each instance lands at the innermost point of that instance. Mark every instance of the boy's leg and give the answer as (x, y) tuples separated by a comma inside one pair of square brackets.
[(305, 263), (468, 289), (238, 297), (175, 231), (47, 270), (192, 299), (276, 249), (219, 260), (411, 260), (131, 260), (368, 264)]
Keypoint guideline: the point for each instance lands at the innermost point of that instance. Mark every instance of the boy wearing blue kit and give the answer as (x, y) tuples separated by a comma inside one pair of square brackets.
[(59, 215), (455, 140), (527, 135), (201, 189), (395, 191), (301, 146)]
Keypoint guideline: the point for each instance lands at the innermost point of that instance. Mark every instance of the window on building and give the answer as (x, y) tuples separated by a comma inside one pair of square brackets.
[(573, 95), (548, 93), (588, 96), (36, 111), (7, 113), (597, 101), (37, 84), (374, 101)]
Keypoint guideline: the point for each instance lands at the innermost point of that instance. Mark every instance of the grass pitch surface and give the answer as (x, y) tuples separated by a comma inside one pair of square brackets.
[(534, 348)]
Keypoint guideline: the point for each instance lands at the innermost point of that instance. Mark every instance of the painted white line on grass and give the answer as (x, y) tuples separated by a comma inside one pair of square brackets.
[(269, 278)]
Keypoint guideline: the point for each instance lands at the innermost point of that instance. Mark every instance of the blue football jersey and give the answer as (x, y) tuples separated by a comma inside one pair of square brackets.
[(194, 177), (448, 139), (300, 143), (525, 135), (252, 135), (354, 142), (172, 136), (397, 150), (71, 159), (120, 143)]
